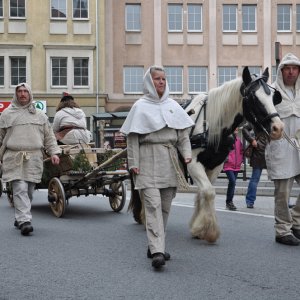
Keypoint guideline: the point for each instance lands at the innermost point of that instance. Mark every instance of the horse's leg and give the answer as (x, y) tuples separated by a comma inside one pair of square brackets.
[(204, 223), (213, 174)]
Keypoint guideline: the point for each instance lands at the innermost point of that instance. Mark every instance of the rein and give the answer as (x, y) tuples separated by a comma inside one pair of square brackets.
[(293, 144)]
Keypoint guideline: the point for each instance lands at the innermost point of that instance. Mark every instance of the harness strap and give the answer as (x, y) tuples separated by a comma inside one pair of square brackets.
[(204, 118)]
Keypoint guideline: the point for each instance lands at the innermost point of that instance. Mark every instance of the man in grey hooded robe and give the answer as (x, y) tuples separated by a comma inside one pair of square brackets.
[(283, 160), (25, 133)]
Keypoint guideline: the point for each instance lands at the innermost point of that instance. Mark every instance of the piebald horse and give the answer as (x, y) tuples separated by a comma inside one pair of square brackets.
[(216, 115)]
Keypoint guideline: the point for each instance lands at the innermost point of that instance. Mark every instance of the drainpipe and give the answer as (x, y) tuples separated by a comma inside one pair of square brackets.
[(97, 59)]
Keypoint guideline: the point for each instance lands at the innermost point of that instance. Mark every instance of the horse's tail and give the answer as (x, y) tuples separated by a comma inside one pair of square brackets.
[(135, 204)]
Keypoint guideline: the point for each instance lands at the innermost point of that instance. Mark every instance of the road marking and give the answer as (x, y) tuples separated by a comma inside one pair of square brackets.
[(226, 211)]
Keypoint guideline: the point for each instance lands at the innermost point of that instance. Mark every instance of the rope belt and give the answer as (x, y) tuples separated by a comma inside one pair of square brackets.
[(21, 156), (182, 184)]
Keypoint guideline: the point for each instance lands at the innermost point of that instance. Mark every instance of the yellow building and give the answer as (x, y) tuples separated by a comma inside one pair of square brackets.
[(55, 46)]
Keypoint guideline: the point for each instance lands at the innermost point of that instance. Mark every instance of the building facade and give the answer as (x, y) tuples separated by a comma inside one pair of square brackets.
[(98, 50), (200, 43)]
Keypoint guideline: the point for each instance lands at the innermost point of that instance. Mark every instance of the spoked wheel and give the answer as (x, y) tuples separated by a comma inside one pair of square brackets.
[(9, 193), (118, 198), (56, 197)]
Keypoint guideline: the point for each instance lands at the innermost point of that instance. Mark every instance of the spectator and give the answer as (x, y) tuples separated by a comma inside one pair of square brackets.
[(258, 141), (231, 167)]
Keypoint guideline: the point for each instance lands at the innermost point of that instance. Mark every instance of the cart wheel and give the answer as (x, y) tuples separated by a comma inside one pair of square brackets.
[(117, 201), (9, 193), (56, 197)]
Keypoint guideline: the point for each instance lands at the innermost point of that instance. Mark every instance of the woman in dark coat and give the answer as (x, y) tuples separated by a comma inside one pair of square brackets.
[(258, 140)]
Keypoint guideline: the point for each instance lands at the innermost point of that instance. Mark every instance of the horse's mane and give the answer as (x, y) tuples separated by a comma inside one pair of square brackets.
[(224, 102)]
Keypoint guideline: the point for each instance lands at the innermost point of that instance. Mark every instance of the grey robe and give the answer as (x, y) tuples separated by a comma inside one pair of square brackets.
[(149, 153), (283, 161)]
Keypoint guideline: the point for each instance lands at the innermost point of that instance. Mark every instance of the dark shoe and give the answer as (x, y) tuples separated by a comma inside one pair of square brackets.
[(288, 240), (291, 205), (26, 228), (166, 255), (158, 260), (250, 205), (16, 224), (296, 233), (230, 206)]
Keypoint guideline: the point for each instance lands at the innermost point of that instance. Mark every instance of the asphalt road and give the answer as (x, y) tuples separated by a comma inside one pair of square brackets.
[(94, 253)]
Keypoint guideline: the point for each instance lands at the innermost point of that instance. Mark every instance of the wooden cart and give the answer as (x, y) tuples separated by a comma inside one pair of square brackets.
[(84, 171)]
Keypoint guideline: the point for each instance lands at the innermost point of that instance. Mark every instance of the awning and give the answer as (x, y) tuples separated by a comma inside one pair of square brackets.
[(111, 115), (103, 116), (120, 114)]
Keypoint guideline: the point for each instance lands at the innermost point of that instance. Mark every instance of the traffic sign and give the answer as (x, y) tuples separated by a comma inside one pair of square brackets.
[(3, 105), (41, 104)]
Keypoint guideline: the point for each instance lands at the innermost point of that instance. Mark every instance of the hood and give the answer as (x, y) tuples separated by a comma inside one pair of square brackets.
[(15, 103), (75, 112), (150, 91), (288, 59)]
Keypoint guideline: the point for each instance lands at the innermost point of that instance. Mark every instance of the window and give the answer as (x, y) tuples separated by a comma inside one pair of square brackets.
[(133, 80), (1, 70), (133, 17), (18, 70), (255, 70), (197, 79), (229, 17), (80, 9), (17, 8), (1, 8), (249, 17), (69, 68), (58, 9), (194, 17), (283, 17), (59, 71), (174, 17), (298, 17), (174, 78), (81, 71), (226, 74)]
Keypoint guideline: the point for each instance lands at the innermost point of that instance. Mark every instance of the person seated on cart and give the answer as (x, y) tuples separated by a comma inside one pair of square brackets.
[(69, 123)]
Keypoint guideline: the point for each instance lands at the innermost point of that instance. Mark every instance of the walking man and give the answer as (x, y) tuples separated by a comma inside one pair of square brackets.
[(283, 160), (25, 133)]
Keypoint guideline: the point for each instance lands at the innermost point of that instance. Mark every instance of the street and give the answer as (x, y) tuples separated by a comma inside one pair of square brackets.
[(95, 253)]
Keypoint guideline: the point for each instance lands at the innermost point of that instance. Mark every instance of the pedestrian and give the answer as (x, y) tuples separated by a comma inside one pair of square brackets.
[(231, 167), (282, 158), (155, 126), (25, 133), (258, 141), (69, 124)]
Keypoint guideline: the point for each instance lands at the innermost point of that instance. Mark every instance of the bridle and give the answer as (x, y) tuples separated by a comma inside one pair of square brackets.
[(248, 94)]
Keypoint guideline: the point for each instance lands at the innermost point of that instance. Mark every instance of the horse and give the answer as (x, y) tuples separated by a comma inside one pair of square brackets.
[(216, 115)]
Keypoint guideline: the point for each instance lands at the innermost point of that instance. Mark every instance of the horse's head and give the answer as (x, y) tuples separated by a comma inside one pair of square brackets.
[(258, 104)]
